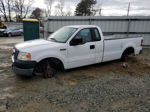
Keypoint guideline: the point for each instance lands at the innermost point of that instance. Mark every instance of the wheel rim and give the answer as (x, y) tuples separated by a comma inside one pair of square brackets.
[(48, 71), (9, 35)]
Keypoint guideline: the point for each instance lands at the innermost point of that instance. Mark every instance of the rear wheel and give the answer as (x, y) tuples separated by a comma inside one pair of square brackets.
[(126, 53), (124, 57), (9, 35), (21, 34)]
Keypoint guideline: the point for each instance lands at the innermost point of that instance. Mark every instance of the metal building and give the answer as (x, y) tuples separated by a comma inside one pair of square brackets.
[(121, 26)]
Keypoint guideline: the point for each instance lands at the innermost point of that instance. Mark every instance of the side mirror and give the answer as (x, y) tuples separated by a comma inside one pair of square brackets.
[(76, 41)]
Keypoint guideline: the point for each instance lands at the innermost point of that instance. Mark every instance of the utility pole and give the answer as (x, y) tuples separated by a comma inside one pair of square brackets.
[(128, 11), (100, 9), (100, 12)]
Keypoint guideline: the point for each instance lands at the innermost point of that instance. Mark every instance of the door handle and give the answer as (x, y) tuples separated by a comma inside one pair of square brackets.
[(92, 46), (62, 49)]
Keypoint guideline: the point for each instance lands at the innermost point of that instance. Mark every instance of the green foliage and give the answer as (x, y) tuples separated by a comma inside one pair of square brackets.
[(37, 13), (84, 8)]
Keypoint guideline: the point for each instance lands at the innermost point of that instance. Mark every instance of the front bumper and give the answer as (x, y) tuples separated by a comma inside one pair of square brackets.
[(23, 68)]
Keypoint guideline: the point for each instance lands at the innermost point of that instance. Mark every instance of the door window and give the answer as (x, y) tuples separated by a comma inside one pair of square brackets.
[(85, 34)]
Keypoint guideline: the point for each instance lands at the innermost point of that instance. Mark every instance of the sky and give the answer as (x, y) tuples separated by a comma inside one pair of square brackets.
[(109, 7)]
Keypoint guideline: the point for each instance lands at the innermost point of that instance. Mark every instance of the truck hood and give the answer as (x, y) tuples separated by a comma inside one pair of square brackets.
[(35, 43)]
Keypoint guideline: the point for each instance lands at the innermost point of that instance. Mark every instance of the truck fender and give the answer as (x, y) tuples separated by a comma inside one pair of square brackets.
[(56, 57), (129, 45)]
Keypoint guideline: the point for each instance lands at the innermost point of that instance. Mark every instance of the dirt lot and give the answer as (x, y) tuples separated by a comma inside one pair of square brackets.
[(96, 88)]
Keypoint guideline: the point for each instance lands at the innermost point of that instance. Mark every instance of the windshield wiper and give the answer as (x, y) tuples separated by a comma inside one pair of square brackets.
[(53, 39)]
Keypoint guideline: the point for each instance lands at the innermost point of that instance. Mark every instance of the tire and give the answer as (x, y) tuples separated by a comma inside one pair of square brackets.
[(46, 69), (9, 34), (126, 53), (21, 34), (124, 57)]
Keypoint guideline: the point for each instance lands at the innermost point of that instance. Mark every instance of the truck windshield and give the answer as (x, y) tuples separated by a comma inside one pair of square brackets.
[(62, 35)]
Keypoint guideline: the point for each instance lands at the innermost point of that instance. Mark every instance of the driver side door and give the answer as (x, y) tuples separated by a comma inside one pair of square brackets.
[(83, 53)]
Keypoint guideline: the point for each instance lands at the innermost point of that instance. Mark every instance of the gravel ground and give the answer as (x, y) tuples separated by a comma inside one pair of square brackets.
[(117, 93), (105, 87)]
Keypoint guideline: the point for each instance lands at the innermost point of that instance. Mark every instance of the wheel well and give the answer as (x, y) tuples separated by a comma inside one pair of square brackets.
[(128, 51), (55, 63)]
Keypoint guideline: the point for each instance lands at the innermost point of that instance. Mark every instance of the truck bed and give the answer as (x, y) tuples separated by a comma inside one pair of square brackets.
[(113, 37), (113, 46)]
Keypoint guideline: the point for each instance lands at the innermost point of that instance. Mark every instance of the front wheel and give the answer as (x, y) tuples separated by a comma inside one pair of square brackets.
[(48, 70), (45, 68)]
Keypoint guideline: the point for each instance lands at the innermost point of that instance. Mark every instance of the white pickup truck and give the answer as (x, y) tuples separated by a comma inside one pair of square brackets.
[(70, 47)]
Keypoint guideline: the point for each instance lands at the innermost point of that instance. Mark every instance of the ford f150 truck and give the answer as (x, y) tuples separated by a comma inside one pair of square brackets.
[(70, 47)]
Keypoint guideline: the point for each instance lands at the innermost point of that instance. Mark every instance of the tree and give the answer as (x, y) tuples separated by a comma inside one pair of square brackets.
[(68, 13), (36, 14), (9, 8), (97, 10), (48, 9), (59, 8), (3, 9), (22, 8), (84, 8)]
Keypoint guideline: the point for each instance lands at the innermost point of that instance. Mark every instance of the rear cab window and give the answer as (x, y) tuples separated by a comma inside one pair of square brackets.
[(95, 34)]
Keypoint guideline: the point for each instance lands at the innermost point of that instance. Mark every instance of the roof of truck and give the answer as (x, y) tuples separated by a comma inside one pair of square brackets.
[(82, 26)]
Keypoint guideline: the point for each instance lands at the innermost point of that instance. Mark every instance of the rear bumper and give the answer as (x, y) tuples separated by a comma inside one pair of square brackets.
[(23, 68)]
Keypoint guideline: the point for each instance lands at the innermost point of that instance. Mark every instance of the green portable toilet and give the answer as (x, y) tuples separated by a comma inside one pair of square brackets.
[(31, 29)]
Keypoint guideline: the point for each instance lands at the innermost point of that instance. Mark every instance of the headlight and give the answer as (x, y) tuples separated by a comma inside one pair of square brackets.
[(24, 56)]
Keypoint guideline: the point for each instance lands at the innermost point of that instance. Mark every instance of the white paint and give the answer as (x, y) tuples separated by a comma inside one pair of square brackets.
[(80, 55)]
